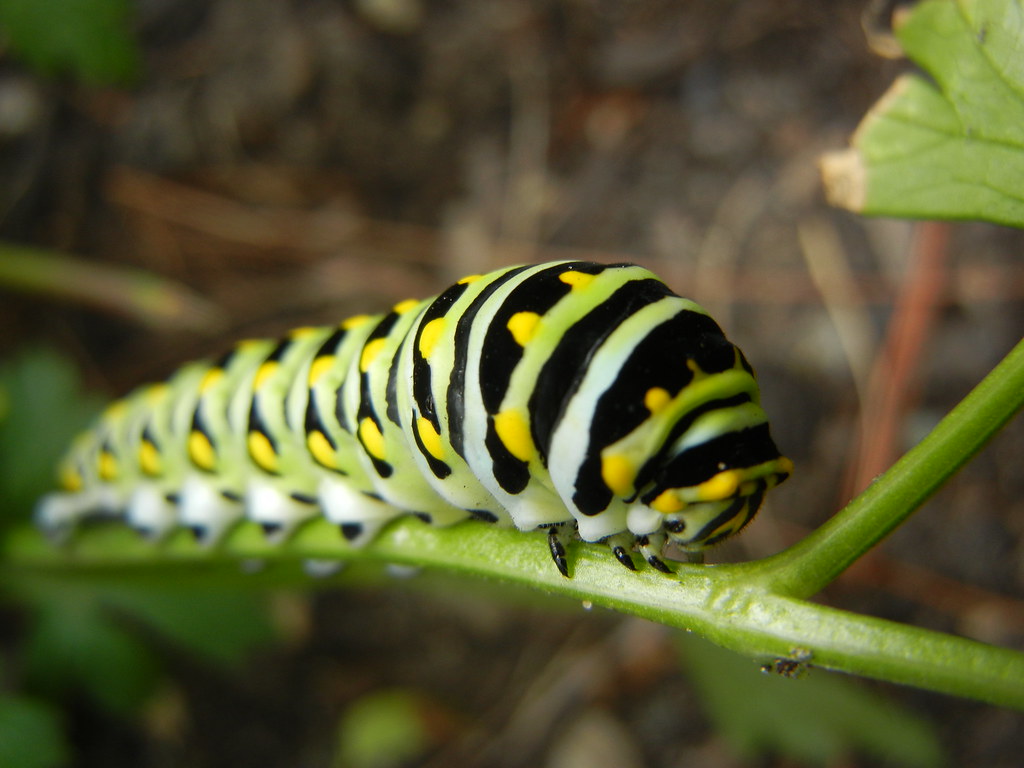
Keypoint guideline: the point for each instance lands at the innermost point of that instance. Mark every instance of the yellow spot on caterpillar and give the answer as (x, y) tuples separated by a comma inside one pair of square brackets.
[(370, 351), (523, 326), (303, 332), (405, 306), (107, 466), (319, 367), (262, 451), (156, 393), (149, 458), (656, 399), (70, 479), (320, 448), (430, 438), (354, 322), (667, 503), (245, 346), (201, 452), (784, 464), (264, 372), (210, 378), (469, 279), (514, 433), (115, 410), (578, 281), (618, 474), (430, 334), (371, 438), (721, 486)]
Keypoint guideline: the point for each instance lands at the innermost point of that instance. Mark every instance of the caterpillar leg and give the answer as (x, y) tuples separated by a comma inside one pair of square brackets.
[(557, 539), (321, 569), (151, 512), (620, 545), (57, 514), (208, 512), (358, 516), (277, 513), (650, 547)]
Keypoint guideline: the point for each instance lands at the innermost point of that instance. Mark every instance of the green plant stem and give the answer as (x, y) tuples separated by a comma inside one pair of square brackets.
[(752, 608), (143, 296), (815, 561), (707, 600)]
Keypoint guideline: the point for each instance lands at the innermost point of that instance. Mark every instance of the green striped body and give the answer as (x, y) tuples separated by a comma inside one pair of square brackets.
[(531, 396)]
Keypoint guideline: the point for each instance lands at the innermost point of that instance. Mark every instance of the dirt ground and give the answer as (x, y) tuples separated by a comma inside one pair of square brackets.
[(298, 161)]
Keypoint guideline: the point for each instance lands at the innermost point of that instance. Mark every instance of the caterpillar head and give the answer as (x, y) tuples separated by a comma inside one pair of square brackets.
[(665, 434), (697, 514), (698, 461)]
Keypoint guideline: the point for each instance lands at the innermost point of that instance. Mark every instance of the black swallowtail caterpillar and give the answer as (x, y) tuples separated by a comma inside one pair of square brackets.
[(534, 396)]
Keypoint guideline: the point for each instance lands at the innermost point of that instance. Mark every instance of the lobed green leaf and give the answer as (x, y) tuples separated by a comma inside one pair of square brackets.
[(951, 146)]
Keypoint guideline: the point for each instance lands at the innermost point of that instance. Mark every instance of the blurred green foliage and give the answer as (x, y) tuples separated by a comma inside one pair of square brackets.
[(74, 647), (90, 40), (86, 638), (30, 734), (383, 729), (819, 719), (42, 406)]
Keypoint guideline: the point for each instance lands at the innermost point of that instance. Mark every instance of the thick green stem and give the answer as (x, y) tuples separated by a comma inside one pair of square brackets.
[(815, 561), (707, 600), (752, 608)]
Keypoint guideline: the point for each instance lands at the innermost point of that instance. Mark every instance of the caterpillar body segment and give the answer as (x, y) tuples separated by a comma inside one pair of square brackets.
[(569, 396)]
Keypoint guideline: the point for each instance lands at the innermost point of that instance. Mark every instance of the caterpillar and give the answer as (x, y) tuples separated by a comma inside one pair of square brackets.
[(577, 398)]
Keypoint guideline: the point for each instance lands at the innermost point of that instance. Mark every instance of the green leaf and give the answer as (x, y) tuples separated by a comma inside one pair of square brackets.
[(220, 625), (953, 146), (382, 730), (30, 734), (818, 719), (91, 39), (41, 407), (94, 639), (73, 646)]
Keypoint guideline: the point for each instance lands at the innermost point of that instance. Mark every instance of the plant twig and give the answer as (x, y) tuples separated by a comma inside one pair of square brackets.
[(753, 608), (140, 295), (893, 385), (812, 563), (716, 602)]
